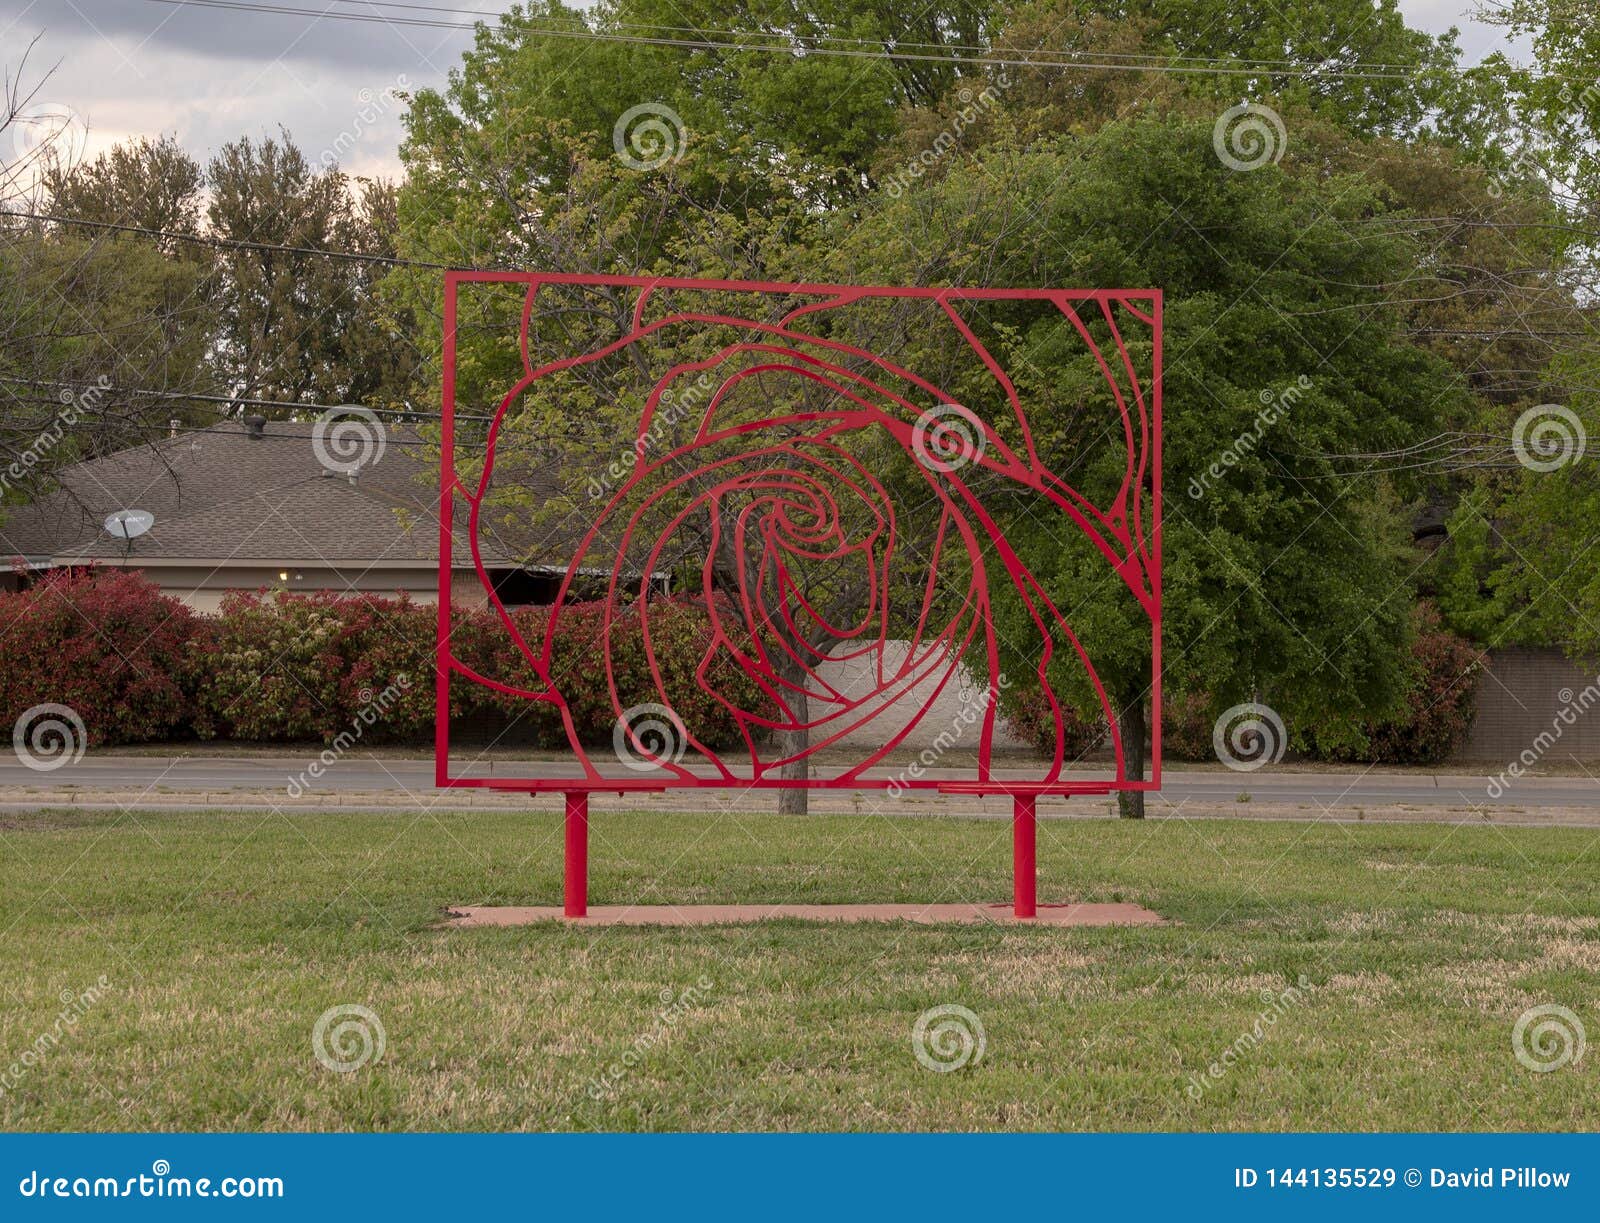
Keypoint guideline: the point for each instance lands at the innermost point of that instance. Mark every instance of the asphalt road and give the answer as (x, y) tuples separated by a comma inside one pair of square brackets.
[(1343, 790)]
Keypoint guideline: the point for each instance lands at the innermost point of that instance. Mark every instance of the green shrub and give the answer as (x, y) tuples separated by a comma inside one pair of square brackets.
[(285, 666)]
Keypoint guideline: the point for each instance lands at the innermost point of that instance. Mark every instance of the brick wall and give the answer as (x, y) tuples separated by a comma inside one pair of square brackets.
[(1522, 695)]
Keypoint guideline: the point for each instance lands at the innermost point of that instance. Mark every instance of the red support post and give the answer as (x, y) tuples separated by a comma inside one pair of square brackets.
[(577, 882), (1024, 899)]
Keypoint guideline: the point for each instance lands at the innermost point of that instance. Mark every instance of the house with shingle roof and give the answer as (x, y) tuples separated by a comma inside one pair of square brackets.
[(250, 505)]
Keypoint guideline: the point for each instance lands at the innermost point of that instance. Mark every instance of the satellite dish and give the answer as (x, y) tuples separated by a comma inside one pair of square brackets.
[(130, 524)]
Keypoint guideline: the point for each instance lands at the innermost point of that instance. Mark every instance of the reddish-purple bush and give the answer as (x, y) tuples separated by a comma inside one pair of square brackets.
[(1187, 722), (106, 643), (681, 635), (135, 665), (1029, 717), (1440, 707), (390, 645)]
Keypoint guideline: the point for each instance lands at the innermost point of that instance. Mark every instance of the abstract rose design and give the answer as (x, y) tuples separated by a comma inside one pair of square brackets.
[(835, 513)]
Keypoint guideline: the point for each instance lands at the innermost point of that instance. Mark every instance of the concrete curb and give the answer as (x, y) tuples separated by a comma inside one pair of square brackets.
[(823, 803)]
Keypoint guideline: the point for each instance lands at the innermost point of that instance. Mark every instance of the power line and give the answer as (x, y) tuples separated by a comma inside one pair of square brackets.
[(395, 261), (297, 431), (114, 392), (879, 45), (227, 243), (1470, 223), (1509, 332), (884, 53)]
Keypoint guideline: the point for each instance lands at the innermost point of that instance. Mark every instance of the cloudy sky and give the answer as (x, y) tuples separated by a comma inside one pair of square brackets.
[(131, 67)]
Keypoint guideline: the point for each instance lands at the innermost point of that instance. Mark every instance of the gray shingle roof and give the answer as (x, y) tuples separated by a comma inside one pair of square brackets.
[(219, 494)]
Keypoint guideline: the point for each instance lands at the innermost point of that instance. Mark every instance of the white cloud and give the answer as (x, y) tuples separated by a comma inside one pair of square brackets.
[(1477, 38), (130, 68)]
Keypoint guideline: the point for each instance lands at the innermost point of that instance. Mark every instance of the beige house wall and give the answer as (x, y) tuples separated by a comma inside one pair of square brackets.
[(204, 587)]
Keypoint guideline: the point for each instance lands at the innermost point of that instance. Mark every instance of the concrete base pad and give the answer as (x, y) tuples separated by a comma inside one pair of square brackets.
[(472, 916)]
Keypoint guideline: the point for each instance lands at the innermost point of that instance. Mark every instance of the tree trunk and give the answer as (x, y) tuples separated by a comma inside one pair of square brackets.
[(791, 742), (1130, 721)]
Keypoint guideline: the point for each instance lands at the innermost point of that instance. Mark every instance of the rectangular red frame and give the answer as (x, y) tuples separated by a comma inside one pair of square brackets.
[(1024, 792)]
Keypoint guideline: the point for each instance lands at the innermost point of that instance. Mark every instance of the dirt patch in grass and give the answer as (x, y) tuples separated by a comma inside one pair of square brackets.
[(58, 819)]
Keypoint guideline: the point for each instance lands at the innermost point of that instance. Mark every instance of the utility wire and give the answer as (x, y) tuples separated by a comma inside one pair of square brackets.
[(114, 392), (876, 44), (884, 53), (223, 243), (394, 261), (397, 261)]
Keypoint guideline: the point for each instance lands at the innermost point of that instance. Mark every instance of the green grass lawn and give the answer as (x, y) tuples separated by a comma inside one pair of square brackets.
[(224, 936)]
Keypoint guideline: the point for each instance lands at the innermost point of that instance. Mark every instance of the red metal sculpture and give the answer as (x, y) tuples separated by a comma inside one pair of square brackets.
[(764, 479)]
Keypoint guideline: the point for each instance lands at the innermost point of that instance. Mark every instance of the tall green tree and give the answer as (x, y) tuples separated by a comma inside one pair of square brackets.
[(91, 319), (1557, 100), (283, 310), (1284, 581), (152, 184), (1519, 567), (85, 324), (299, 325), (1321, 281)]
